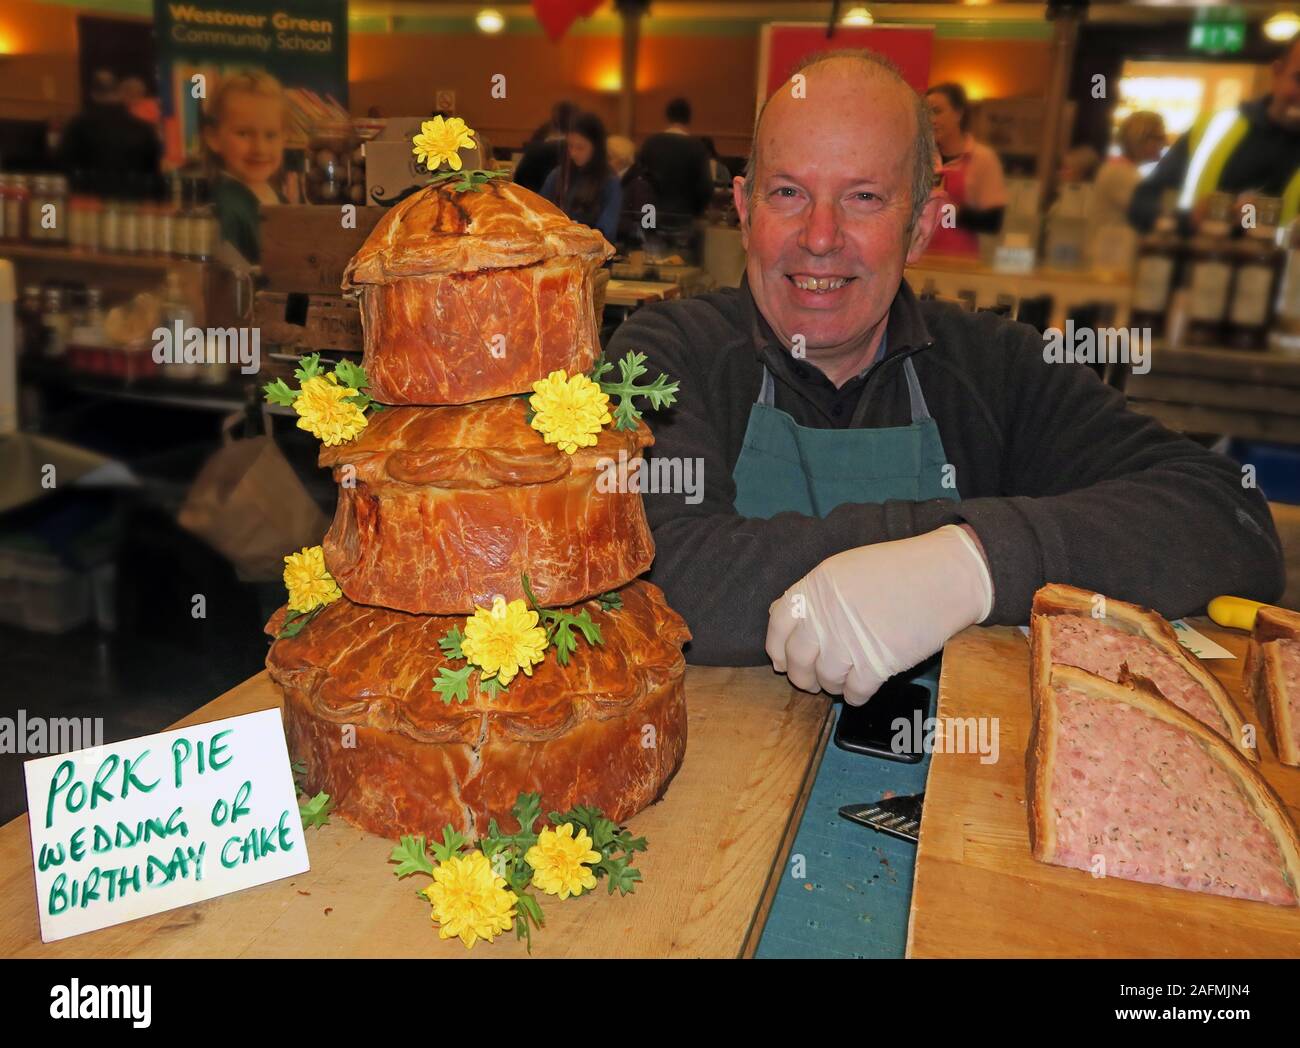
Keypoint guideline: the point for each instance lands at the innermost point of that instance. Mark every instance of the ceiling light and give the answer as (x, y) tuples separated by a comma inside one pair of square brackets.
[(490, 21), (857, 16), (1282, 26)]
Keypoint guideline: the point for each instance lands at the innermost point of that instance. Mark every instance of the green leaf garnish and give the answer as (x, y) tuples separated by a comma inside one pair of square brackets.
[(660, 393), (559, 625), (453, 684), (611, 601), (316, 812), (527, 810), (280, 392), (560, 632), (411, 857), (352, 375), (449, 642), (615, 844), (451, 843), (468, 180), (490, 686), (296, 621), (308, 367)]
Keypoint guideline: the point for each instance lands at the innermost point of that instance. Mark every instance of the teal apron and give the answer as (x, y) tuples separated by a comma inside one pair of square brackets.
[(852, 898)]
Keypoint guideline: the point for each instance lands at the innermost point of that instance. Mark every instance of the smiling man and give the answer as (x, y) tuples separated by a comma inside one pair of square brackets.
[(880, 473)]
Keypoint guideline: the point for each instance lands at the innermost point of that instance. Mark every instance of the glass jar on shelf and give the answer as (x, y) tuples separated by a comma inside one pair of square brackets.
[(15, 204), (59, 218), (37, 216), (130, 236), (55, 321), (110, 227), (329, 162), (148, 228)]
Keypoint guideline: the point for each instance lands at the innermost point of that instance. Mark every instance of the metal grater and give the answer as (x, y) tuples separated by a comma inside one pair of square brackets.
[(897, 816)]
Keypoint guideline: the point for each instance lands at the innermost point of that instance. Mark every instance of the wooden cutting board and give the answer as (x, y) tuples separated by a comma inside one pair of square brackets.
[(717, 841), (979, 893)]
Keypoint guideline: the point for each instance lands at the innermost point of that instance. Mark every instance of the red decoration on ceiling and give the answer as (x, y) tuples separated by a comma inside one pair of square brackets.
[(557, 15)]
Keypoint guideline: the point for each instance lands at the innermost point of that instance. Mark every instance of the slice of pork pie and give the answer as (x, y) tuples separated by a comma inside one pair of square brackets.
[(1123, 783)]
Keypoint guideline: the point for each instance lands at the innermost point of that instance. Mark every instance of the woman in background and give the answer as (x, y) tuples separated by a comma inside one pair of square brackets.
[(637, 193), (970, 174), (1141, 139), (243, 137), (584, 186)]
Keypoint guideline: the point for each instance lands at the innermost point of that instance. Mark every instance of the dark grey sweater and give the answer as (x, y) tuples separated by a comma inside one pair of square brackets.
[(1060, 481)]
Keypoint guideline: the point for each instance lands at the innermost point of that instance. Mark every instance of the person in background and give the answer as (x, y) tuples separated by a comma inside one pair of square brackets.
[(243, 137), (717, 169), (970, 174), (1253, 150), (678, 167), (105, 149), (138, 101), (1079, 165), (637, 192), (583, 185), (1141, 140), (545, 150)]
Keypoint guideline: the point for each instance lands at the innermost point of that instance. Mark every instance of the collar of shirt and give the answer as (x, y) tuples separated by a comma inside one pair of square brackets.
[(904, 330)]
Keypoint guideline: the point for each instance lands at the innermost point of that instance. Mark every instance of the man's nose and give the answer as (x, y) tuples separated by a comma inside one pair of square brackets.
[(822, 229)]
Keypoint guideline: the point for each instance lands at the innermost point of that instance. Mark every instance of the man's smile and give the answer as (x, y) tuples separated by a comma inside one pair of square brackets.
[(818, 285)]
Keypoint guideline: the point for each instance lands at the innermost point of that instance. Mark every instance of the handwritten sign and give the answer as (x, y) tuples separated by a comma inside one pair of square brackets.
[(138, 827)]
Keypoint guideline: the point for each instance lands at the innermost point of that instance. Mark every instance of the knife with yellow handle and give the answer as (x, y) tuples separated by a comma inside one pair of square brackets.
[(1236, 613)]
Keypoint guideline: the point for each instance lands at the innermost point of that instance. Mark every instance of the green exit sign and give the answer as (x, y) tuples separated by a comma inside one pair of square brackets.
[(1218, 37)]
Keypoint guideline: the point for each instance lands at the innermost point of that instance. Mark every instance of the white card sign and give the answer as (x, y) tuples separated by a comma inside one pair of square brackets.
[(166, 820)]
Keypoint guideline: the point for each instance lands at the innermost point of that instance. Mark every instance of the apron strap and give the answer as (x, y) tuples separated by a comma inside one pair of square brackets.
[(767, 392), (920, 410)]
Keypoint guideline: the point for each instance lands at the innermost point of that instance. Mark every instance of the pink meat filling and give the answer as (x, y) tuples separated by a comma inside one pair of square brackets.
[(1092, 645), (1290, 651), (1155, 805)]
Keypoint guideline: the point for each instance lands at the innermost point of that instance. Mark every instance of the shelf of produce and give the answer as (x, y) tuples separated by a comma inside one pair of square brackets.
[(718, 840), (115, 260), (207, 286), (978, 892)]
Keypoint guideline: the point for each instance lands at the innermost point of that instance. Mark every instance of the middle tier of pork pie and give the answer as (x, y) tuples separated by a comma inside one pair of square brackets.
[(443, 508)]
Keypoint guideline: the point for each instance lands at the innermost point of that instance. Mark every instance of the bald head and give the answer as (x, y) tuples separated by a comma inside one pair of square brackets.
[(836, 93)]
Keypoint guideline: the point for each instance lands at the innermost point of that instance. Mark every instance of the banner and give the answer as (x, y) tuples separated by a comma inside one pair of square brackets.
[(302, 43), (784, 44)]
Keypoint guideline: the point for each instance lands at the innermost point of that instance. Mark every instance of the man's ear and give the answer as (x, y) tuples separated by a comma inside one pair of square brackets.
[(924, 228), (742, 208)]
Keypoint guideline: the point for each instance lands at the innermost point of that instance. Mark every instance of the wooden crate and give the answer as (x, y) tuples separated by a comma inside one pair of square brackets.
[(330, 322), (305, 247)]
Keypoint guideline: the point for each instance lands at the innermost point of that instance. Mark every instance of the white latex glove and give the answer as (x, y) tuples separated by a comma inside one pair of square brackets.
[(865, 614)]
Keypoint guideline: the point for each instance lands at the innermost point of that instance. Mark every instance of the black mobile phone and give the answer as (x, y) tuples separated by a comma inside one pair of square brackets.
[(874, 728)]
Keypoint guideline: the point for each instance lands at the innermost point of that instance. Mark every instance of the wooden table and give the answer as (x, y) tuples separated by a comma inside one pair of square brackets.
[(717, 842), (634, 293), (979, 893)]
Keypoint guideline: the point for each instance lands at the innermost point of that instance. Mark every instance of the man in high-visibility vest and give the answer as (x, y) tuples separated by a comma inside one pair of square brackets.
[(1251, 151)]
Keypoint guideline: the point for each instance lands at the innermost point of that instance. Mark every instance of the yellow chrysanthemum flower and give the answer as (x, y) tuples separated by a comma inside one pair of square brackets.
[(326, 412), (469, 900), (569, 411), (558, 860), (504, 639), (309, 584), (442, 139)]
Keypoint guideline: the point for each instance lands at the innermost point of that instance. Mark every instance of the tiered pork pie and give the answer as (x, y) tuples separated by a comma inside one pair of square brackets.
[(446, 500)]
